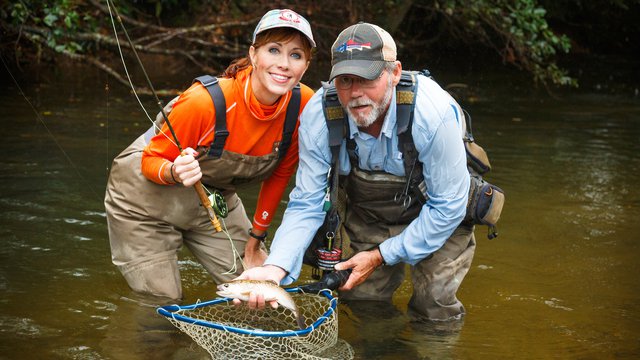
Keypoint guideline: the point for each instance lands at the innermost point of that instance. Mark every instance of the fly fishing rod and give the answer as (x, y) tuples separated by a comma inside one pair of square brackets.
[(204, 199)]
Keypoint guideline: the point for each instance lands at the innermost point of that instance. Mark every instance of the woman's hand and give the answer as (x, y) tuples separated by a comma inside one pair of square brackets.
[(186, 169), (254, 254)]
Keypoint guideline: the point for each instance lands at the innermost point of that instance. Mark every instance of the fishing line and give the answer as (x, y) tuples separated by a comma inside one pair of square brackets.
[(124, 64), (73, 165), (198, 187), (236, 254), (107, 155)]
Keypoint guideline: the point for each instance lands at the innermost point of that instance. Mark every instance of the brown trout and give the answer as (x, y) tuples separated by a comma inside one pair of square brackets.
[(240, 289)]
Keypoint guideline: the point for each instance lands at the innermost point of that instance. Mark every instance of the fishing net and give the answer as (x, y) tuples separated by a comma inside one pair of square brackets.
[(227, 331)]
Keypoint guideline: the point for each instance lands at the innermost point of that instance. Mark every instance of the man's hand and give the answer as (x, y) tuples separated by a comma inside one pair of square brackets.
[(186, 169), (266, 272), (362, 264)]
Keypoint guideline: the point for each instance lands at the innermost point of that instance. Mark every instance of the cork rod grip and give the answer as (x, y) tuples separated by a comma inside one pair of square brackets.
[(204, 200)]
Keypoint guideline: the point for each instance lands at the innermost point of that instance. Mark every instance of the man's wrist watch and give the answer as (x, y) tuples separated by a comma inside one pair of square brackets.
[(384, 263)]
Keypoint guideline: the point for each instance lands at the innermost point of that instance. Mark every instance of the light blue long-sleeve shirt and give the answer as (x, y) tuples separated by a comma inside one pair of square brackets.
[(438, 126)]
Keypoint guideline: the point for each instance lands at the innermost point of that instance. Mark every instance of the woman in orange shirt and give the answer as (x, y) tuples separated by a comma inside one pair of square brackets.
[(152, 209)]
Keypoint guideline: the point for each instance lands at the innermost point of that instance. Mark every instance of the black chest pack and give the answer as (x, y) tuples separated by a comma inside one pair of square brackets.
[(221, 133), (485, 200)]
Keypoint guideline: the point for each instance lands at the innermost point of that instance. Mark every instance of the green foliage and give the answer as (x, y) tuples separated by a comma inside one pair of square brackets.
[(519, 31), (56, 20), (603, 27)]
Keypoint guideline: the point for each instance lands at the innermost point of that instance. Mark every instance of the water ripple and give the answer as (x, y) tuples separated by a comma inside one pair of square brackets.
[(78, 352), (95, 213), (25, 327), (78, 222), (552, 302)]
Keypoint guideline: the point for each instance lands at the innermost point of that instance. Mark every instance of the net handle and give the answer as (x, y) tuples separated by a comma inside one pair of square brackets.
[(172, 311)]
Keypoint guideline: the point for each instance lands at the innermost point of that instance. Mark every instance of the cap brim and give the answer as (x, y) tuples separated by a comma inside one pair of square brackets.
[(364, 68), (313, 43)]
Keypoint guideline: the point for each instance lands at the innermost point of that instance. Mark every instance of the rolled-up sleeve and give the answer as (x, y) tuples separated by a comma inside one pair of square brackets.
[(437, 136)]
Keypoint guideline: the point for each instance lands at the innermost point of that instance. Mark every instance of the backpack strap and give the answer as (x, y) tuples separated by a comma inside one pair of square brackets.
[(405, 106), (405, 100), (337, 121), (219, 103), (324, 238), (334, 115), (293, 109), (221, 133)]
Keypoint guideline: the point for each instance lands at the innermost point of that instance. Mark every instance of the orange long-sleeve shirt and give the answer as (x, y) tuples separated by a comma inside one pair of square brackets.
[(253, 128)]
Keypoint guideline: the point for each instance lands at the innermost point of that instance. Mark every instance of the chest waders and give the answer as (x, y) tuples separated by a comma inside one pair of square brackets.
[(386, 201), (149, 223)]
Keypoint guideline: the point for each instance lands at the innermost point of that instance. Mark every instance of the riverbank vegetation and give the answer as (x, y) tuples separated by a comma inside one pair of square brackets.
[(529, 35)]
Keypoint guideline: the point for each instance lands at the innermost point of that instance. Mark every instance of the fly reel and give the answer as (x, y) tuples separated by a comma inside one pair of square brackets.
[(218, 204)]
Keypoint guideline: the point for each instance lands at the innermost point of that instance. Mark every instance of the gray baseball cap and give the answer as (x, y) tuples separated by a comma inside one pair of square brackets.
[(284, 18), (362, 50)]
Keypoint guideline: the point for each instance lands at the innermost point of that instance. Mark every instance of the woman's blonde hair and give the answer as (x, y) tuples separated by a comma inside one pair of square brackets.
[(281, 34)]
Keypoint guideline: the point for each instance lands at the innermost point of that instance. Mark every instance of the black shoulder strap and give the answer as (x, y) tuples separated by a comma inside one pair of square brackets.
[(337, 121), (219, 103), (405, 105), (334, 115), (405, 100), (221, 133), (293, 109)]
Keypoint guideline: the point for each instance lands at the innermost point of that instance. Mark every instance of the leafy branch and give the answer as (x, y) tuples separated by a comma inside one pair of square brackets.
[(83, 32), (217, 32), (527, 41)]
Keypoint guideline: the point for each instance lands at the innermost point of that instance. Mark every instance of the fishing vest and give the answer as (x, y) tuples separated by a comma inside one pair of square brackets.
[(485, 200)]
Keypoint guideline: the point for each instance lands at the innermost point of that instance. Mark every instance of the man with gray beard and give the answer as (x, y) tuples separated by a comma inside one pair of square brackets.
[(385, 233)]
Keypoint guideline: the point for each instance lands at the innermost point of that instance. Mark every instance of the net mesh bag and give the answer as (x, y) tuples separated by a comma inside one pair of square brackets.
[(227, 331)]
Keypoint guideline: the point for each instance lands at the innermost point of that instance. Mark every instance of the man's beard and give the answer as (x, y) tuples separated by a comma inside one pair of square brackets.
[(377, 110)]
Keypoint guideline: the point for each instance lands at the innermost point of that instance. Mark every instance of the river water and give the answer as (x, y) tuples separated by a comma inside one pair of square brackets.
[(560, 281)]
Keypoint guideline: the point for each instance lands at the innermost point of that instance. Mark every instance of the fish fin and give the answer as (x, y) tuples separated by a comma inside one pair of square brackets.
[(301, 322)]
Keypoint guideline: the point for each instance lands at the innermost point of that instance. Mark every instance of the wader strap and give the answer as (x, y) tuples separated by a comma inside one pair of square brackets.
[(219, 103), (293, 109)]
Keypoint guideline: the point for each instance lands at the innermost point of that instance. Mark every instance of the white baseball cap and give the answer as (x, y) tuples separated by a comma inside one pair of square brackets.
[(284, 18)]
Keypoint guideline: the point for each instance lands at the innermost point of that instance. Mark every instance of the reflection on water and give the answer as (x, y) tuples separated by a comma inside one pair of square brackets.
[(380, 330), (559, 282)]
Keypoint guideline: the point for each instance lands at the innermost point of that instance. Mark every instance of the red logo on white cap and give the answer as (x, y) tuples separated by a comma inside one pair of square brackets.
[(288, 15)]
